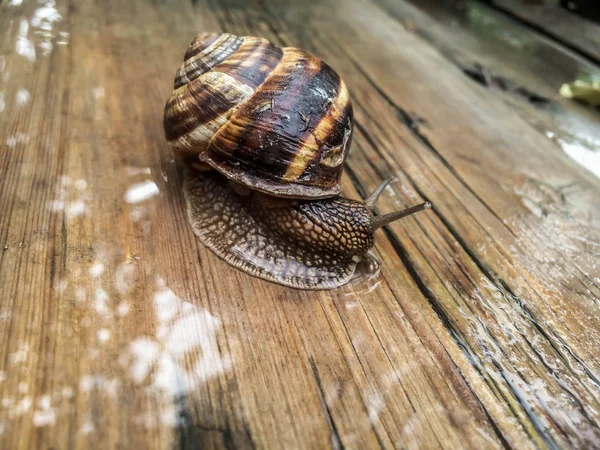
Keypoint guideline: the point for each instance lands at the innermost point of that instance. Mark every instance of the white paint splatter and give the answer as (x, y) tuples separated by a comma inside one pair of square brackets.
[(166, 305), (18, 138), (43, 21), (23, 406), (70, 198), (123, 309), (67, 392), (22, 97), (101, 303), (103, 335), (18, 356), (47, 14), (146, 352), (81, 184), (125, 277), (87, 427), (141, 191), (55, 205), (110, 386), (132, 171), (63, 38), (61, 285), (80, 294), (75, 209), (24, 46), (163, 362), (44, 402), (98, 92), (96, 270), (45, 417), (138, 213)]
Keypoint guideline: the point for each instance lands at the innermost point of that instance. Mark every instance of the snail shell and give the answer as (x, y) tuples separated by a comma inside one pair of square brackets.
[(277, 120)]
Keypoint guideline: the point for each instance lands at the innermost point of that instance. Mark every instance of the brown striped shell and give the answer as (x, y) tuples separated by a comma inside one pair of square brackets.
[(277, 120)]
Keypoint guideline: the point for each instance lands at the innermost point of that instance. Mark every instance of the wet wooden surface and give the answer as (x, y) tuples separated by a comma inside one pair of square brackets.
[(119, 330), (574, 31)]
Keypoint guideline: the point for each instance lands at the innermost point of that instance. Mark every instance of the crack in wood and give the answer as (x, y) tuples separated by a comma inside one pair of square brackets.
[(489, 418), (336, 441), (191, 436), (483, 76)]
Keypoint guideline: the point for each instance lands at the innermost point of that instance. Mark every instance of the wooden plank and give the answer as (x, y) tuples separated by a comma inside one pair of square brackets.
[(576, 31), (120, 330), (524, 68)]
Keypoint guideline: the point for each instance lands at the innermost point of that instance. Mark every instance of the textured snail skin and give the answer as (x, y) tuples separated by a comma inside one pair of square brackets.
[(278, 120), (336, 225), (307, 245)]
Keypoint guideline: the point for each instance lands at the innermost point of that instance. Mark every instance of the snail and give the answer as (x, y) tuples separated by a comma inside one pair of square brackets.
[(267, 131)]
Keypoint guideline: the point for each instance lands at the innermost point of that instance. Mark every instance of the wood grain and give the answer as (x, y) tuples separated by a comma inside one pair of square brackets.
[(120, 330), (574, 31)]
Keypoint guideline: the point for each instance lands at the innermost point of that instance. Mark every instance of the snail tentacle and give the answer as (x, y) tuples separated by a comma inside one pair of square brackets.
[(380, 221), (370, 202)]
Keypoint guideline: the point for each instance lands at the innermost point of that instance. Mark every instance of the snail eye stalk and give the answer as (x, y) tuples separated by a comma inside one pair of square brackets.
[(380, 221), (370, 202)]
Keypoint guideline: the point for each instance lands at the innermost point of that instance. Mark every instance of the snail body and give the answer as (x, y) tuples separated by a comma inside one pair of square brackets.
[(275, 124)]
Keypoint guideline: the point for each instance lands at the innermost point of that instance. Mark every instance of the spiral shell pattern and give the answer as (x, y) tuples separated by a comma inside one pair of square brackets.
[(278, 120)]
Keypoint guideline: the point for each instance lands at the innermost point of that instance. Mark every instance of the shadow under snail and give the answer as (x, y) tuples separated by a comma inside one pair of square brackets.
[(267, 130)]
